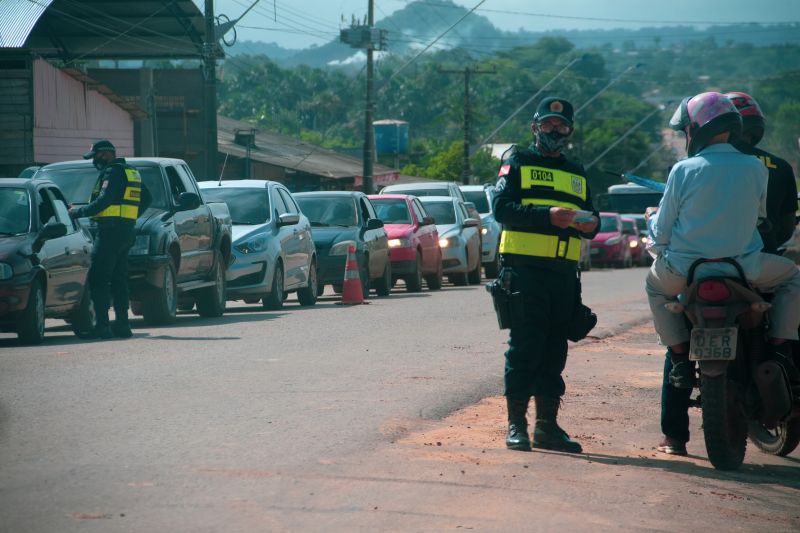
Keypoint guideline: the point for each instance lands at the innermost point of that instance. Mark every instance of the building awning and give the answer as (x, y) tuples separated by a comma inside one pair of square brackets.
[(293, 154), (103, 29)]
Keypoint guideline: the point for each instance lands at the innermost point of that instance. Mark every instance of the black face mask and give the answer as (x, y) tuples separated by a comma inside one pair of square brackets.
[(99, 164), (551, 142)]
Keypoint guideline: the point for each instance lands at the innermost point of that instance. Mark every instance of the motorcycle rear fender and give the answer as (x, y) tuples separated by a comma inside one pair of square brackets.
[(713, 369)]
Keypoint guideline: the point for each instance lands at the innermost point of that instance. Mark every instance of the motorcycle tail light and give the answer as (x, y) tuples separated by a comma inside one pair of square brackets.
[(713, 291)]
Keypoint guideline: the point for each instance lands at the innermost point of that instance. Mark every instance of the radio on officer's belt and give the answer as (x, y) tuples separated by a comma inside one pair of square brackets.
[(508, 304)]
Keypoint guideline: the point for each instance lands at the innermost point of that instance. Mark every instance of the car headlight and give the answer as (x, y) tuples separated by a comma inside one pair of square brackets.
[(484, 231), (141, 246), (613, 240), (254, 245), (399, 243), (340, 248), (6, 271), (444, 242), (633, 244)]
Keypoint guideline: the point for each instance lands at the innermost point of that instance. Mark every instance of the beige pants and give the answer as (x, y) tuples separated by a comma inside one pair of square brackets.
[(778, 275)]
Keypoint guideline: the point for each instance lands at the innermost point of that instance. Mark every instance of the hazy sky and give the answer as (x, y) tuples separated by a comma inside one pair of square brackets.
[(301, 23)]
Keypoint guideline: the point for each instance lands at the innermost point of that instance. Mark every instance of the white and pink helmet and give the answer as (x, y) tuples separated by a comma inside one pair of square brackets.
[(704, 116)]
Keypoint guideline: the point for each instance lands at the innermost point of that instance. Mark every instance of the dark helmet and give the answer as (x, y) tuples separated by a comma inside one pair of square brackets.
[(704, 116), (752, 117)]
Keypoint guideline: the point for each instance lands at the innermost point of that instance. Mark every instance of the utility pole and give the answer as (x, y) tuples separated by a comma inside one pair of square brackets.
[(371, 39), (467, 72), (210, 90)]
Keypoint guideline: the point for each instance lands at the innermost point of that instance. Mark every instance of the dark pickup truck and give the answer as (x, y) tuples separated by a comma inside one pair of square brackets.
[(183, 245)]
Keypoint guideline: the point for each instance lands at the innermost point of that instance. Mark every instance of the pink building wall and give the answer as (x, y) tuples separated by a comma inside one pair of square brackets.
[(69, 117)]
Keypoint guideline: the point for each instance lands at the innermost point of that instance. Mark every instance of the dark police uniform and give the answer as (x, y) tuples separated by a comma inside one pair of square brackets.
[(544, 261), (115, 205)]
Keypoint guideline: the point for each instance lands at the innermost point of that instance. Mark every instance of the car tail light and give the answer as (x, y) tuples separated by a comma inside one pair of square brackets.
[(713, 291)]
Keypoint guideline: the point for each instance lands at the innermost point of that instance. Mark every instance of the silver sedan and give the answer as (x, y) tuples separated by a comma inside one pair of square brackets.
[(458, 239)]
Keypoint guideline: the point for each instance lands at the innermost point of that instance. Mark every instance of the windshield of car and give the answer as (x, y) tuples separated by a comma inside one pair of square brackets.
[(443, 191), (392, 211), (641, 224), (328, 210), (247, 206), (608, 224), (15, 211), (77, 184), (629, 225), (442, 212), (480, 200)]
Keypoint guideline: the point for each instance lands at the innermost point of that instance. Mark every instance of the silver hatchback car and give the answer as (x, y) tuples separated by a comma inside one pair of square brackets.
[(481, 196), (273, 252)]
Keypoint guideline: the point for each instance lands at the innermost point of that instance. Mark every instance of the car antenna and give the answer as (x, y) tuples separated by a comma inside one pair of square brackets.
[(222, 172)]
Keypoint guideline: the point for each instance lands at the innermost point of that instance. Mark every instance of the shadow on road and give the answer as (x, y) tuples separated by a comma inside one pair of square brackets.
[(784, 475)]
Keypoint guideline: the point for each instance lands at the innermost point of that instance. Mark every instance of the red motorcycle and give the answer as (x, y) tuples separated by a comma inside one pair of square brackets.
[(743, 390)]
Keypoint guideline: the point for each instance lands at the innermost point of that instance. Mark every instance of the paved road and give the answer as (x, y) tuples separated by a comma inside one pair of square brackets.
[(184, 428)]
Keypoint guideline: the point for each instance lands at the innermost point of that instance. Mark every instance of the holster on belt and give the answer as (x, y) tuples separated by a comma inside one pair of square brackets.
[(583, 319), (508, 303)]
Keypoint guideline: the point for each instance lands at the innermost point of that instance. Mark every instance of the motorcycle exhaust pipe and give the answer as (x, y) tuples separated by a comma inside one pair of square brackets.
[(776, 396)]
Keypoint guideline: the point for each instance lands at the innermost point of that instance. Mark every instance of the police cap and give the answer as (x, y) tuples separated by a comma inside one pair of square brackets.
[(100, 146), (552, 106)]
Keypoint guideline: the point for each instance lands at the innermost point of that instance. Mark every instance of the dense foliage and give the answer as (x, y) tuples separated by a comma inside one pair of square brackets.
[(327, 106)]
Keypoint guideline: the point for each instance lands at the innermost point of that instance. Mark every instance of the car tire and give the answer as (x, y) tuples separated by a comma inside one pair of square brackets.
[(274, 300), (162, 306), (82, 320), (434, 281), (383, 286), (414, 280), (30, 324), (474, 275), (307, 296), (459, 280), (136, 308), (492, 269), (211, 300)]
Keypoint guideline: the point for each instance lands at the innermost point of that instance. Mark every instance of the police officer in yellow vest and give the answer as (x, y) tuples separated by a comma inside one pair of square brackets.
[(115, 204), (540, 196)]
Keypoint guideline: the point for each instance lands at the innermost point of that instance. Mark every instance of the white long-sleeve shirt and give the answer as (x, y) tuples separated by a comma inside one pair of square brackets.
[(710, 209)]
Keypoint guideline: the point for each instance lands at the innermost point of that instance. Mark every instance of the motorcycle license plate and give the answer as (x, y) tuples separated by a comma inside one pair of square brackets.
[(713, 344)]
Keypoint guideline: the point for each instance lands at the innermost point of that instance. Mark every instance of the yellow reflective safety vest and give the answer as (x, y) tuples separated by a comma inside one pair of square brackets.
[(544, 186), (128, 207)]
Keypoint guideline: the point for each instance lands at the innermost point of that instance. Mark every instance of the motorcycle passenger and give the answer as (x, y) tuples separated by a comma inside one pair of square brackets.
[(539, 194), (710, 209), (782, 187)]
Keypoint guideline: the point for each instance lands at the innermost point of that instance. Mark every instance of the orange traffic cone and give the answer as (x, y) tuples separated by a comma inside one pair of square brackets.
[(352, 293)]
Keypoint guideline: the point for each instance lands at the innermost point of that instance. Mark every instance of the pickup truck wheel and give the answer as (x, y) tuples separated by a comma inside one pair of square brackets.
[(82, 320), (162, 305), (211, 300), (274, 300), (30, 324), (308, 295)]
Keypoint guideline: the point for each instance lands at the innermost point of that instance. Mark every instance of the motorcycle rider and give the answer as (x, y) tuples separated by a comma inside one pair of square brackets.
[(782, 187), (710, 209)]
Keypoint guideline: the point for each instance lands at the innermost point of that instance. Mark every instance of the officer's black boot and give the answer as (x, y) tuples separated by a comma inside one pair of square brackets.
[(121, 326), (517, 438), (546, 433)]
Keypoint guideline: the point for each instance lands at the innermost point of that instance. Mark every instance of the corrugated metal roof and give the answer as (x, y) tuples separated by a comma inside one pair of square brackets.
[(286, 152), (18, 19)]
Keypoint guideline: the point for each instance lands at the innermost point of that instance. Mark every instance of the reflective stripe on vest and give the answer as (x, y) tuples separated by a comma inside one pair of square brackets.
[(539, 245), (129, 207), (563, 184)]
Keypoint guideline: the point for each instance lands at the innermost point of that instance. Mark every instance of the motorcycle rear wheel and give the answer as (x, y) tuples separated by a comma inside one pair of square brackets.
[(779, 441), (724, 425)]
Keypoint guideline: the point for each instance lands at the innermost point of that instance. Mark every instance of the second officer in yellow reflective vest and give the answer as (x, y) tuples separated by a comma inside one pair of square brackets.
[(115, 204), (544, 203)]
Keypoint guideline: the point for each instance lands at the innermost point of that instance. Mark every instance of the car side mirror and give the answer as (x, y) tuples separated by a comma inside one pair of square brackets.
[(188, 201), (374, 223), (470, 222), (288, 219), (427, 221), (53, 230)]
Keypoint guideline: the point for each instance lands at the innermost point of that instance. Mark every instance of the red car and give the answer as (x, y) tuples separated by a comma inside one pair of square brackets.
[(611, 245), (413, 240)]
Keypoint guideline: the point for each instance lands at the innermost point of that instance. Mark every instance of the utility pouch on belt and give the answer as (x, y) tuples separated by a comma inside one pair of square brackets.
[(507, 303), (583, 319)]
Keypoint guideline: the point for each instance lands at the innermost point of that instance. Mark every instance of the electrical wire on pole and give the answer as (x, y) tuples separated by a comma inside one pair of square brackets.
[(624, 136)]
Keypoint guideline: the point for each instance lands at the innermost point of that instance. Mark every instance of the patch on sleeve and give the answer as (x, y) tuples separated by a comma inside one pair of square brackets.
[(504, 170)]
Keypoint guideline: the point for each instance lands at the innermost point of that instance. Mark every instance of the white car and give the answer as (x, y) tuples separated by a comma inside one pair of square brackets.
[(273, 252), (481, 196), (426, 188), (458, 239)]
